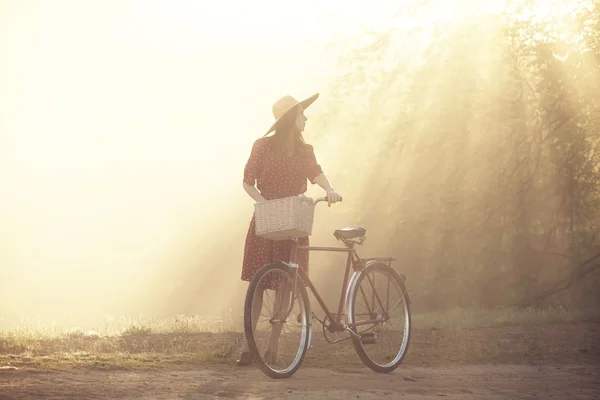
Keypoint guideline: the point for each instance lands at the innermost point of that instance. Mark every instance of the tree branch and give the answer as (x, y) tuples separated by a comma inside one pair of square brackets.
[(578, 273)]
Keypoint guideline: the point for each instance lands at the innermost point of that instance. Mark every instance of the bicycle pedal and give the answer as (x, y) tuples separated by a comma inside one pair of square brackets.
[(367, 338)]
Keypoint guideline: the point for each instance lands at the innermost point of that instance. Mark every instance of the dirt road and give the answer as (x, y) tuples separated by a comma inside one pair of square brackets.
[(453, 382), (551, 361)]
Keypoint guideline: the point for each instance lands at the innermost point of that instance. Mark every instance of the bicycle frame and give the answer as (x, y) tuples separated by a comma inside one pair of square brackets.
[(347, 318), (354, 261)]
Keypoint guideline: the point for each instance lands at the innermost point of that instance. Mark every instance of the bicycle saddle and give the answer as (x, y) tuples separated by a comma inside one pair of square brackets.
[(350, 232)]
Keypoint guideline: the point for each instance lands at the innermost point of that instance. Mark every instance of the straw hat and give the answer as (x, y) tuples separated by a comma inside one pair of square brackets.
[(286, 104)]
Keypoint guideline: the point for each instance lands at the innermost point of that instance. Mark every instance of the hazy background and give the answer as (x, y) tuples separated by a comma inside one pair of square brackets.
[(124, 130), (125, 127)]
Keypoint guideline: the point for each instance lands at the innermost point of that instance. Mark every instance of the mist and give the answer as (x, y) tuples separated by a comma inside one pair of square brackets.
[(125, 127)]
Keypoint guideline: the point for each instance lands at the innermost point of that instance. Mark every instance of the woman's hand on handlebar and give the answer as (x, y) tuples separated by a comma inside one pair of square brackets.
[(333, 197)]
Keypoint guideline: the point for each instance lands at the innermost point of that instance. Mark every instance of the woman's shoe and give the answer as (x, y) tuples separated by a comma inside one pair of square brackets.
[(244, 359)]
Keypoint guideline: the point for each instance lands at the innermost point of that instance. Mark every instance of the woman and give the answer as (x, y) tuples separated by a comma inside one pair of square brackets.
[(279, 166)]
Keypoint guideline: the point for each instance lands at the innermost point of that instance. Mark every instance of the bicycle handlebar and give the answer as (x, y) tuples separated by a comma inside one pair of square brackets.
[(320, 199)]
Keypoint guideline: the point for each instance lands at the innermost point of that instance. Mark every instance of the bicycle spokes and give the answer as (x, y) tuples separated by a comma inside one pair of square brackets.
[(282, 323), (380, 313)]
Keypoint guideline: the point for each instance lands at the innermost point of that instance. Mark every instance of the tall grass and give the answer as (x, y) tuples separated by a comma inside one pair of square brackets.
[(143, 325), (480, 317), (126, 326), (146, 341)]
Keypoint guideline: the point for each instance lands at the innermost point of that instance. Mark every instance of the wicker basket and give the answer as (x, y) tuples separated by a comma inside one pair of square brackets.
[(282, 219)]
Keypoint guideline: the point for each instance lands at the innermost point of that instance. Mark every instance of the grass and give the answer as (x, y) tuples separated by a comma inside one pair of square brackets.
[(123, 325), (459, 335), (502, 316)]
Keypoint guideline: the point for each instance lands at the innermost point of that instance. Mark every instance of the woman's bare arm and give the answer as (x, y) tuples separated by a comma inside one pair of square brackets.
[(322, 181), (332, 195), (253, 192)]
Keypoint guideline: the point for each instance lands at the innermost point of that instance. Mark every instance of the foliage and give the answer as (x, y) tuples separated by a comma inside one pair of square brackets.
[(491, 140)]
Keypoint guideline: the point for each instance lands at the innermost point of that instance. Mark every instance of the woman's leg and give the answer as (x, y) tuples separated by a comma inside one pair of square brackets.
[(283, 293), (282, 305)]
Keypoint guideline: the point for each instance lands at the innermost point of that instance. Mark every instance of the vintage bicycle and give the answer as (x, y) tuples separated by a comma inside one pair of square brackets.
[(373, 310)]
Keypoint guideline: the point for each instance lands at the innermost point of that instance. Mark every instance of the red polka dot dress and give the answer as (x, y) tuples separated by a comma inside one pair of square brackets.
[(276, 176)]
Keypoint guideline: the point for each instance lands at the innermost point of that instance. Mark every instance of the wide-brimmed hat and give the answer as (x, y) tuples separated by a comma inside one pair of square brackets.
[(286, 104)]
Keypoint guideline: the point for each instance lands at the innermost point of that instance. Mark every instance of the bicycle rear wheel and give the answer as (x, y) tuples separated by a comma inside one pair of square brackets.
[(277, 340), (379, 295)]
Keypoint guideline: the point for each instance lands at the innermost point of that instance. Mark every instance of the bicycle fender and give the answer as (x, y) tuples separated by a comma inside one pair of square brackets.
[(352, 282)]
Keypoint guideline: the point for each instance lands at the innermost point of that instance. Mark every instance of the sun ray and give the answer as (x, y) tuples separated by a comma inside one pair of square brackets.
[(125, 125)]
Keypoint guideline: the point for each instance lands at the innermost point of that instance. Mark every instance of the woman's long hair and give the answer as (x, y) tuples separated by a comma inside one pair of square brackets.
[(286, 127)]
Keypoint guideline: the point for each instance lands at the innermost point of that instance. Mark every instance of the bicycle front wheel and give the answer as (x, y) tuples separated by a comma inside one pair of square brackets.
[(379, 311), (277, 320)]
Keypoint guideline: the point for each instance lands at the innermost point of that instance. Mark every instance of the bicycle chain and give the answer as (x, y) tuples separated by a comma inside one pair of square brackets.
[(323, 324)]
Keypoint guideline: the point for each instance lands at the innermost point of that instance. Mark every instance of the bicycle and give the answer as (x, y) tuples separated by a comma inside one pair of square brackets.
[(364, 329)]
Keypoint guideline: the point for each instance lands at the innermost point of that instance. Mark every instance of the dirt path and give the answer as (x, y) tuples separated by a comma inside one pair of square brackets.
[(453, 382)]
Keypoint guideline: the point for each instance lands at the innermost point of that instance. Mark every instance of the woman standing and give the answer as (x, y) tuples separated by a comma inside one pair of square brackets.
[(280, 166)]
